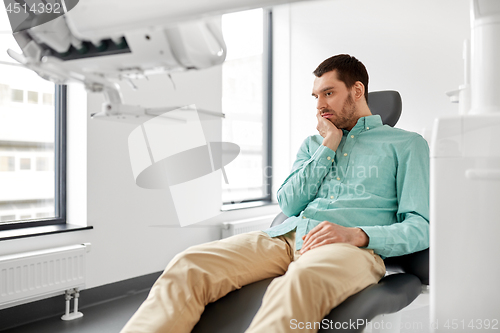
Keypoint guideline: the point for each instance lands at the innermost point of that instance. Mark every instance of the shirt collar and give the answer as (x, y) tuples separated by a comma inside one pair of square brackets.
[(366, 123)]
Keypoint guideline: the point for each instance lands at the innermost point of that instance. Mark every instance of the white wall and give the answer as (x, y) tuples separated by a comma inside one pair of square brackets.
[(413, 46)]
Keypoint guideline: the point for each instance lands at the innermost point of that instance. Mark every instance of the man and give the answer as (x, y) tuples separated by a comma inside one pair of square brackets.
[(358, 191)]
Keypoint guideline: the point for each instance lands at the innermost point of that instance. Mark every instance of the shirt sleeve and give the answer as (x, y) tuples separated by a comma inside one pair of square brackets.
[(411, 231), (308, 172)]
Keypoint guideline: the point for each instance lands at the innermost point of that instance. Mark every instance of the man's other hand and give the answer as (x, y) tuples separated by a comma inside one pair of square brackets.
[(328, 233)]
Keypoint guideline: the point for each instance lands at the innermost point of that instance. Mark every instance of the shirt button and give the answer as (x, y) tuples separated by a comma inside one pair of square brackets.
[(338, 178), (328, 158), (368, 128), (352, 136), (303, 216), (345, 154), (331, 197)]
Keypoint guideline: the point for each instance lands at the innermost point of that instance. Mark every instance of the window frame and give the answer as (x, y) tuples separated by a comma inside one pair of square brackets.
[(60, 106), (267, 124)]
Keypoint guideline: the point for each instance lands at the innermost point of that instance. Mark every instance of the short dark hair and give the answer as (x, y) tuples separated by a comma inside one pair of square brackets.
[(349, 70)]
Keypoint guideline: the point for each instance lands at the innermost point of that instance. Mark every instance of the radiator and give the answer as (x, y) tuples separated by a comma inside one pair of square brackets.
[(247, 225), (30, 276)]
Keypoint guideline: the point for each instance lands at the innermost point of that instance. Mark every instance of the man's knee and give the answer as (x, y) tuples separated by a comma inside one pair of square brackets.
[(192, 257), (302, 275)]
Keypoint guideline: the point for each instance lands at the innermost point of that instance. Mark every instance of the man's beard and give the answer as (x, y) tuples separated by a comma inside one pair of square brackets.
[(345, 118)]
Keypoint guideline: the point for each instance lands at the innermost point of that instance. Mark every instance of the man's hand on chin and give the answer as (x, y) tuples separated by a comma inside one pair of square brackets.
[(328, 233), (331, 134)]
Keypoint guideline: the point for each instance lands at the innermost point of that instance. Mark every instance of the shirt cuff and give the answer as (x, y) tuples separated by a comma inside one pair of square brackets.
[(377, 237), (324, 155)]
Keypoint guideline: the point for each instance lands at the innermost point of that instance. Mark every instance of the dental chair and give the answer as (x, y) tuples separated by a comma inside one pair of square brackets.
[(402, 284)]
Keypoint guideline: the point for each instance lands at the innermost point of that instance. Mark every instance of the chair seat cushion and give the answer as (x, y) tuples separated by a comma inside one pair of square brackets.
[(391, 294), (234, 312)]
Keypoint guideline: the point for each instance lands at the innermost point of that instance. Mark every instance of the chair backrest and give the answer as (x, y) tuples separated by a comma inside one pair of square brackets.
[(387, 104)]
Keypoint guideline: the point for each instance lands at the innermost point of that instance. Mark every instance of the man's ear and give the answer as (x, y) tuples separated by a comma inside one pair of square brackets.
[(358, 90)]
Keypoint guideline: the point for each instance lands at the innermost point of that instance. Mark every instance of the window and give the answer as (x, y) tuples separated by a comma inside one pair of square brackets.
[(17, 95), (7, 163), (48, 99), (4, 94), (246, 105), (7, 218), (33, 97), (32, 141), (25, 164), (42, 164)]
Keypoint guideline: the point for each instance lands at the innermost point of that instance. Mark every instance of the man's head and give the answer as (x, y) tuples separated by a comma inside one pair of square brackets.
[(341, 88), (349, 70)]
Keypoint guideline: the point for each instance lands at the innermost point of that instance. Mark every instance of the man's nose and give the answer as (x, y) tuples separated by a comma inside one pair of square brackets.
[(320, 104)]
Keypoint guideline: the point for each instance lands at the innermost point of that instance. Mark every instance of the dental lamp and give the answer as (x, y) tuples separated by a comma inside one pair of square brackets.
[(100, 43)]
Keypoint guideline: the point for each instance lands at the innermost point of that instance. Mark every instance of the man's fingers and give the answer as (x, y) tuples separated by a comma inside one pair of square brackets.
[(321, 234), (321, 126), (313, 231), (316, 239), (324, 242), (318, 116), (316, 229)]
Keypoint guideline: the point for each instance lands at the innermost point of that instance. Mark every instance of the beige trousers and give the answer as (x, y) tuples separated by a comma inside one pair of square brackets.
[(308, 286)]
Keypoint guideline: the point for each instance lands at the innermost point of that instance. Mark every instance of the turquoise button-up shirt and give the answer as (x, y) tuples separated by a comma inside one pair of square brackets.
[(377, 180)]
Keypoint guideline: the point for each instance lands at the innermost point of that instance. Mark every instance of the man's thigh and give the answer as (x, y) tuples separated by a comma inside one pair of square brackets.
[(235, 261), (347, 267), (345, 259)]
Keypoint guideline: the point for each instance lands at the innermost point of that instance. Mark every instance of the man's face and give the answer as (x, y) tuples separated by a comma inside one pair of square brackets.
[(334, 100)]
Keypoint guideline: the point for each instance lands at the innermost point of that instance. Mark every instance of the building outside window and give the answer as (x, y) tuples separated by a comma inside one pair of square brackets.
[(33, 97), (17, 95), (25, 163)]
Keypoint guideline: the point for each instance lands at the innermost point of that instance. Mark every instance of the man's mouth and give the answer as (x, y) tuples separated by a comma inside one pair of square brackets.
[(327, 115)]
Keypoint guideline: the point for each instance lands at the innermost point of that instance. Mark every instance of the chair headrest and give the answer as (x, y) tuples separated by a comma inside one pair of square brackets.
[(387, 104)]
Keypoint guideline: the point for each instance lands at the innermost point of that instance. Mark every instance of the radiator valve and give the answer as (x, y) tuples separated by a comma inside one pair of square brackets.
[(70, 294)]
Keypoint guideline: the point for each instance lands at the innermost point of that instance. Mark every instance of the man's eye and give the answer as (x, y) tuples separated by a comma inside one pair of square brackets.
[(329, 93)]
